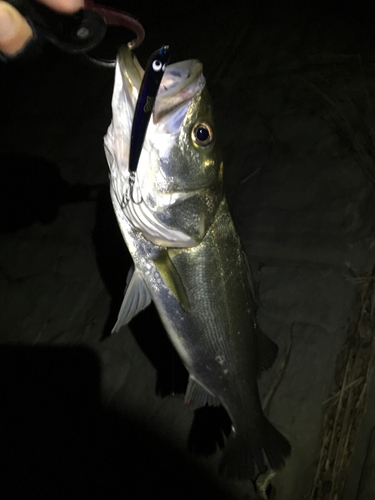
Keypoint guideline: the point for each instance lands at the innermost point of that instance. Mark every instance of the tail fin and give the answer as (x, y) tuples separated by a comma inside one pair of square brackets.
[(246, 456)]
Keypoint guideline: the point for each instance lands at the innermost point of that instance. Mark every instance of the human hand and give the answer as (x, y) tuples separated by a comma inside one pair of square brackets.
[(15, 32)]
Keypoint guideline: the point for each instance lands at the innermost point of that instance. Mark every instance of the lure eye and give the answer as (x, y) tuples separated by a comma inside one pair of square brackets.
[(157, 65), (202, 134)]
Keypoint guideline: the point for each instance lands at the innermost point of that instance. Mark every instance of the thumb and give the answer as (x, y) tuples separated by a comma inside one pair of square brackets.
[(14, 30)]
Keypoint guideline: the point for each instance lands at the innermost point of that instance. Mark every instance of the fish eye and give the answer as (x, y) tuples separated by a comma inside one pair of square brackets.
[(157, 65), (202, 134)]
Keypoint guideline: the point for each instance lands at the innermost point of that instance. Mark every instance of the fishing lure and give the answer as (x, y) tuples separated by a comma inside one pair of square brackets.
[(149, 88)]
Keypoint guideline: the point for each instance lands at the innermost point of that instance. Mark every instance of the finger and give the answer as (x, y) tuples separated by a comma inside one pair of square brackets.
[(67, 6), (14, 30)]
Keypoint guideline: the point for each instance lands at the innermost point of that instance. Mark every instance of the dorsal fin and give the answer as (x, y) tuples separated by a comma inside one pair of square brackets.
[(267, 351), (250, 278)]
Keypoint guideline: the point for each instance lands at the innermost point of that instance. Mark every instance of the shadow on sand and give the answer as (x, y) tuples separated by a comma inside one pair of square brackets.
[(58, 441)]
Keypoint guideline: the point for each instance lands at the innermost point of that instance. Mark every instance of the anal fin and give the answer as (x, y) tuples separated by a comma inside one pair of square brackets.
[(196, 396)]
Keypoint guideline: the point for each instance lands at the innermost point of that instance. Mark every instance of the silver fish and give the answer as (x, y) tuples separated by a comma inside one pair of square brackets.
[(188, 257)]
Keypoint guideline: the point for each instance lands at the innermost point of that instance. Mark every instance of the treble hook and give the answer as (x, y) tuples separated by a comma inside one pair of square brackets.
[(129, 192)]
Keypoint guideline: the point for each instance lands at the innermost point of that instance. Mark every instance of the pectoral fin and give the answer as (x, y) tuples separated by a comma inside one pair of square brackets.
[(171, 278), (136, 298)]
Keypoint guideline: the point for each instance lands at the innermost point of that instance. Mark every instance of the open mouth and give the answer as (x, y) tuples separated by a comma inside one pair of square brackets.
[(172, 78), (181, 81)]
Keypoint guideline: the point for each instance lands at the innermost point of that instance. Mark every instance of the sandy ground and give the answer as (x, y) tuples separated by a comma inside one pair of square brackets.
[(102, 416)]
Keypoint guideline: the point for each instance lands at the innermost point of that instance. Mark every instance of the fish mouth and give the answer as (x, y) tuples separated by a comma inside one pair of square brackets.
[(181, 81)]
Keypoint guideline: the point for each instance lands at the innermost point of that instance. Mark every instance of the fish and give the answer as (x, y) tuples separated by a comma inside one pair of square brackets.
[(188, 258)]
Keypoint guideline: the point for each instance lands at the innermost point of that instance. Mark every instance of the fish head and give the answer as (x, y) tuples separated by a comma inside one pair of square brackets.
[(178, 184)]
